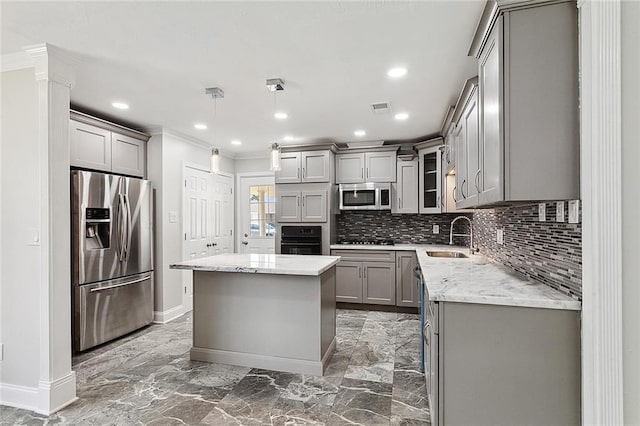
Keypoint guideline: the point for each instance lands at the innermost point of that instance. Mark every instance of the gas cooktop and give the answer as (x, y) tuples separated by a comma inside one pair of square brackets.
[(367, 242)]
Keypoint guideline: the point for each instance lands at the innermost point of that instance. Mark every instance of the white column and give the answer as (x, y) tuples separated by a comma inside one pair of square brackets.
[(57, 384), (600, 102)]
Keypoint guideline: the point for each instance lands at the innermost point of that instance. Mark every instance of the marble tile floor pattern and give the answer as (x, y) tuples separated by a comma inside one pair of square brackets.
[(147, 379)]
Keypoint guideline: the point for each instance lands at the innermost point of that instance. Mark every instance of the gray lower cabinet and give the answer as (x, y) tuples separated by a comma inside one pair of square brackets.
[(502, 365), (407, 286), (366, 276), (349, 282), (378, 286)]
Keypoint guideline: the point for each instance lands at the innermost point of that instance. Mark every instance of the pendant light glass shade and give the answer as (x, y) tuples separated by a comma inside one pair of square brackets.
[(215, 160), (275, 157)]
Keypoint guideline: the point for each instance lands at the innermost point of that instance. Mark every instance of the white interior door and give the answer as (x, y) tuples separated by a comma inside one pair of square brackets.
[(222, 214), (197, 222), (256, 214)]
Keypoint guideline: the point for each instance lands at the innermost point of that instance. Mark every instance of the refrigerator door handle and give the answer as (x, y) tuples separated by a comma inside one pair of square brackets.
[(128, 233), (139, 280), (122, 225)]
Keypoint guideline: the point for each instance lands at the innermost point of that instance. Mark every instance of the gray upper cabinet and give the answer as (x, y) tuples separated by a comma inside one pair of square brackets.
[(127, 155), (99, 145), (90, 146), (372, 166), (288, 206), (316, 166), (350, 168), (290, 168), (528, 103), (468, 138), (407, 290), (405, 188), (302, 167), (314, 206), (430, 179), (380, 166), (301, 206)]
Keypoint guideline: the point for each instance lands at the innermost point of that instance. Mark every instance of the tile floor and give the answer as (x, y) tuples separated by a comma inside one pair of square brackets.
[(147, 378)]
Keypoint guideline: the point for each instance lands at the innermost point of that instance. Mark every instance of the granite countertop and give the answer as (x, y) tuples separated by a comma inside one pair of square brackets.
[(476, 279), (278, 264)]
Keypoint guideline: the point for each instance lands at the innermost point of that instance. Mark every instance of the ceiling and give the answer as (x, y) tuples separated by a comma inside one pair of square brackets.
[(333, 56)]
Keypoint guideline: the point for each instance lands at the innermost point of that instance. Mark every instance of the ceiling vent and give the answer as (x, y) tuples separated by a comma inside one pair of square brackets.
[(381, 107)]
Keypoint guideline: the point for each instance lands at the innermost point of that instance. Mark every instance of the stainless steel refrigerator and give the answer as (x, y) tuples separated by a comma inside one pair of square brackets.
[(112, 256)]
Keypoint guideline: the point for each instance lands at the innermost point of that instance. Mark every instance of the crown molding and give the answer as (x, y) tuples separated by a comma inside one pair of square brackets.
[(16, 61), (190, 139), (52, 63)]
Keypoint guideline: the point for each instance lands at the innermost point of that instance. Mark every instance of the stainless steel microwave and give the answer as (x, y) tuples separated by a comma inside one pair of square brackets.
[(365, 196)]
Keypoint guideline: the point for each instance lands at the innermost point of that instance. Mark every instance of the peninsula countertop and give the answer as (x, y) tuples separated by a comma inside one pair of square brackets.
[(476, 279), (277, 264)]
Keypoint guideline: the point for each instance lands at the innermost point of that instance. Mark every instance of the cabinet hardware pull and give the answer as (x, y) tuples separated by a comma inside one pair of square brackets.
[(476, 180), (462, 188), (359, 272), (362, 173), (454, 194), (298, 173), (304, 173), (400, 202)]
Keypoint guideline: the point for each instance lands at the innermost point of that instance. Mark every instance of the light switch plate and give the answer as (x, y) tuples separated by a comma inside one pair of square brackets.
[(542, 212), (173, 217), (500, 236), (560, 211), (33, 237), (436, 229), (574, 211)]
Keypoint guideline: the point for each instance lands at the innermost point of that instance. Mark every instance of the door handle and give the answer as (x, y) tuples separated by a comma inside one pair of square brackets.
[(139, 280)]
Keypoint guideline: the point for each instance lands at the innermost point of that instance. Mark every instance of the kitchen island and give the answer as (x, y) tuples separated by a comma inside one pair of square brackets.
[(268, 311)]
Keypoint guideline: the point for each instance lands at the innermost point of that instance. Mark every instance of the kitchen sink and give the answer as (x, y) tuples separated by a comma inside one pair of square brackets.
[(449, 254)]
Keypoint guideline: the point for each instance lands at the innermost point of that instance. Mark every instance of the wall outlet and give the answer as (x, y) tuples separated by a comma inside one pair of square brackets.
[(500, 236), (542, 212), (574, 211), (560, 211), (436, 229), (173, 217)]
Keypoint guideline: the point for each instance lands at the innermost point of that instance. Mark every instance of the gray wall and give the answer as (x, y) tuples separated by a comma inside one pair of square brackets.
[(548, 252), (630, 208)]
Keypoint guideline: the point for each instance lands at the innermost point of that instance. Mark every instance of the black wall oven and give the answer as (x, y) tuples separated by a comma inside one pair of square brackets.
[(301, 240)]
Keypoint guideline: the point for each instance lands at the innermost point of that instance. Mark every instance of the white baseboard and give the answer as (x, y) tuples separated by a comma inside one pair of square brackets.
[(163, 317), (46, 399), (290, 365)]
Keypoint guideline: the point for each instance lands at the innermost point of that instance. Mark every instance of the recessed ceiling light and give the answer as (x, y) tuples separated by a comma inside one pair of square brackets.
[(397, 72), (280, 115), (288, 138), (401, 116), (119, 105), (359, 133), (236, 142), (200, 126)]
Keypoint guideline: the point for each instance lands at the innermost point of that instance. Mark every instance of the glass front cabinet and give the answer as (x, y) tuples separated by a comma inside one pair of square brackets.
[(430, 182)]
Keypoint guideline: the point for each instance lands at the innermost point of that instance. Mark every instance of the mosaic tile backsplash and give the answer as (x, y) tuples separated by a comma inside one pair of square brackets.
[(549, 252), (406, 228)]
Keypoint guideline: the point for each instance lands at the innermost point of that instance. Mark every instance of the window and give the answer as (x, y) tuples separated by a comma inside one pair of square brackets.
[(262, 202)]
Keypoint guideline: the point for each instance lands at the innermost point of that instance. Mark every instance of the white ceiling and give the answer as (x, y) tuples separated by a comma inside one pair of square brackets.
[(333, 56)]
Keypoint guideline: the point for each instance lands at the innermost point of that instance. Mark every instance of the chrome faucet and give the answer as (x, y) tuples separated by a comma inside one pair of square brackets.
[(472, 250)]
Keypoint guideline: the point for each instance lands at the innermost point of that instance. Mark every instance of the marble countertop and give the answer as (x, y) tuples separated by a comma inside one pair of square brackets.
[(278, 264), (476, 279)]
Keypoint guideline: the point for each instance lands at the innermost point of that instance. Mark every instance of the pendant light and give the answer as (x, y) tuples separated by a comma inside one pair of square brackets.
[(275, 157), (215, 160), (216, 93)]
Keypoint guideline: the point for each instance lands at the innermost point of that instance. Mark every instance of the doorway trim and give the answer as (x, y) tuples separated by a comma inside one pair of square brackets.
[(601, 193), (239, 177)]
